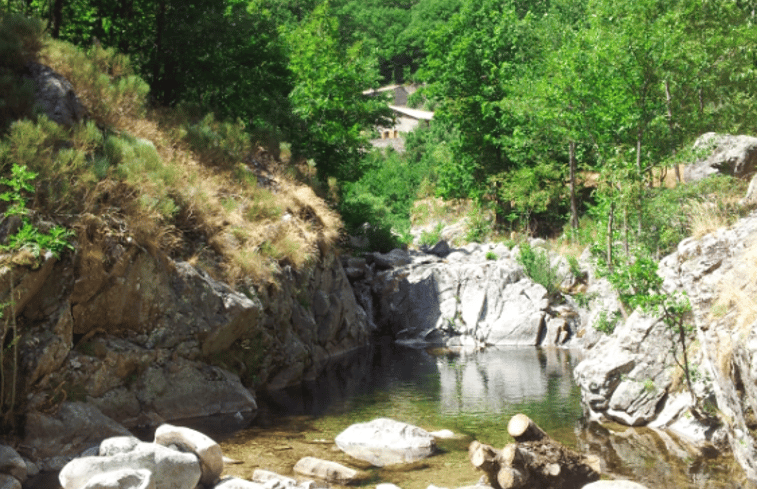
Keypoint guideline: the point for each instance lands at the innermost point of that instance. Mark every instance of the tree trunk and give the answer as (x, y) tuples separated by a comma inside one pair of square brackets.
[(573, 203), (57, 18), (671, 127), (610, 217), (535, 460)]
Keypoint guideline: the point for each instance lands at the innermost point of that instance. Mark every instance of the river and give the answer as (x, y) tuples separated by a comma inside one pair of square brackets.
[(474, 395)]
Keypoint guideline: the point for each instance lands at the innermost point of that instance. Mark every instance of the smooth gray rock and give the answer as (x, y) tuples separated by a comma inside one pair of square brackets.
[(625, 375), (466, 300), (725, 154), (206, 449), (170, 469), (12, 463), (75, 427), (266, 477), (384, 442), (9, 482), (55, 96), (326, 470)]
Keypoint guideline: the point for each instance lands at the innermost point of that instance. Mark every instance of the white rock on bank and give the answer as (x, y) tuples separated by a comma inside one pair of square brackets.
[(237, 483), (384, 442), (206, 449), (170, 469), (616, 484), (122, 479), (117, 444)]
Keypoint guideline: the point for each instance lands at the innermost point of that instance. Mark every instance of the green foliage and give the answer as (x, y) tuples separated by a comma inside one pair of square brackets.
[(29, 237), (537, 266), (480, 225), (430, 238), (639, 285), (605, 324), (138, 163), (490, 255), (20, 41), (333, 114), (219, 141)]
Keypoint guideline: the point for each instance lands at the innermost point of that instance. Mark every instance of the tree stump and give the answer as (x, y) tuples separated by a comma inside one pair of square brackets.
[(535, 460)]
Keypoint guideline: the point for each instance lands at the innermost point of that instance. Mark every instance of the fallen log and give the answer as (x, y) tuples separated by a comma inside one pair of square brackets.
[(535, 460)]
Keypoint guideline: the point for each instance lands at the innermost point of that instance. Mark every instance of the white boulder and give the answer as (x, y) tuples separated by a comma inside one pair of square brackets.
[(170, 469), (206, 449), (384, 441)]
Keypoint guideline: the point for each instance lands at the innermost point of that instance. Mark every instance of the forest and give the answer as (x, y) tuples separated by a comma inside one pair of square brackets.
[(555, 117)]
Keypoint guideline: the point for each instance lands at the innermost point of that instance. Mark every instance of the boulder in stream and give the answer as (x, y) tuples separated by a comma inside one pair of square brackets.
[(384, 442)]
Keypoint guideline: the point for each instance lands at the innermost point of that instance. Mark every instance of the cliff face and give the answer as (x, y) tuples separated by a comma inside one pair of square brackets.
[(631, 377), (145, 338)]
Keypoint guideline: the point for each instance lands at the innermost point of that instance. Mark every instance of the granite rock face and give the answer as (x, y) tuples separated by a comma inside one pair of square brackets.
[(628, 376), (723, 154), (476, 295)]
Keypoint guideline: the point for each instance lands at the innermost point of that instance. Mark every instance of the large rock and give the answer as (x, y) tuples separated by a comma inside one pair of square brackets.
[(9, 482), (384, 442), (11, 463), (207, 450), (55, 96), (627, 377), (169, 468), (75, 427), (467, 299), (724, 154), (122, 479)]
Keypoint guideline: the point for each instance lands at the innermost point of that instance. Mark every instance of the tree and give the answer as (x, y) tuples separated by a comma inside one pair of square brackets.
[(333, 115)]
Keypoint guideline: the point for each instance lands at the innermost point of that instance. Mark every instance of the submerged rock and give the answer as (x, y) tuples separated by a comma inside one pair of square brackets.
[(327, 471), (384, 442)]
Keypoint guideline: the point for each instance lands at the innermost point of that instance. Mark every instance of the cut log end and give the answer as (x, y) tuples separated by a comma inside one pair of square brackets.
[(522, 428)]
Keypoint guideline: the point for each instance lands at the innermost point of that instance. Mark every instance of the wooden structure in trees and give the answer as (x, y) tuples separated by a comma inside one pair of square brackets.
[(534, 460)]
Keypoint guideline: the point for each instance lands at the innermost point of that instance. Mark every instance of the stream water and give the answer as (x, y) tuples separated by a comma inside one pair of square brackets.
[(474, 395)]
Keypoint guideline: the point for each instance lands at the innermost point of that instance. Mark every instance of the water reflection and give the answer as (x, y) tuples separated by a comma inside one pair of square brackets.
[(473, 394), (491, 381)]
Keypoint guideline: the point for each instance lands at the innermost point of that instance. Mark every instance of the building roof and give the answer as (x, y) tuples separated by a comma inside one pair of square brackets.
[(414, 113)]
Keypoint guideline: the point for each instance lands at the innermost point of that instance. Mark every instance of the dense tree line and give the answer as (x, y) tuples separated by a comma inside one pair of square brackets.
[(527, 93)]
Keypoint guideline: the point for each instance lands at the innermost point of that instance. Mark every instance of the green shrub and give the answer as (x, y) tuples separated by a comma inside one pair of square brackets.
[(537, 266), (219, 141), (430, 238), (490, 255)]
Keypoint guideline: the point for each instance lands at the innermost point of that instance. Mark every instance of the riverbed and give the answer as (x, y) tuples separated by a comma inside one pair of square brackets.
[(473, 394)]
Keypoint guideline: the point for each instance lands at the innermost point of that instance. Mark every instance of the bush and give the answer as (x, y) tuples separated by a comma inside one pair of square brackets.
[(103, 80), (20, 41), (537, 266)]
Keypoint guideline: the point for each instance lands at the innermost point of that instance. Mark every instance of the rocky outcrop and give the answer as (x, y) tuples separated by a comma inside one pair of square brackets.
[(55, 96), (476, 295), (384, 441), (143, 339), (629, 376), (724, 154)]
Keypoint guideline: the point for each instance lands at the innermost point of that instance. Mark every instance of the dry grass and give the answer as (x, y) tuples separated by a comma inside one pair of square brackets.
[(436, 209), (159, 178)]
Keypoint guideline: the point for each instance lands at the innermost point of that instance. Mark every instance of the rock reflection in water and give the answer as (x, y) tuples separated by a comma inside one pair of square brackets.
[(658, 458), (491, 381)]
